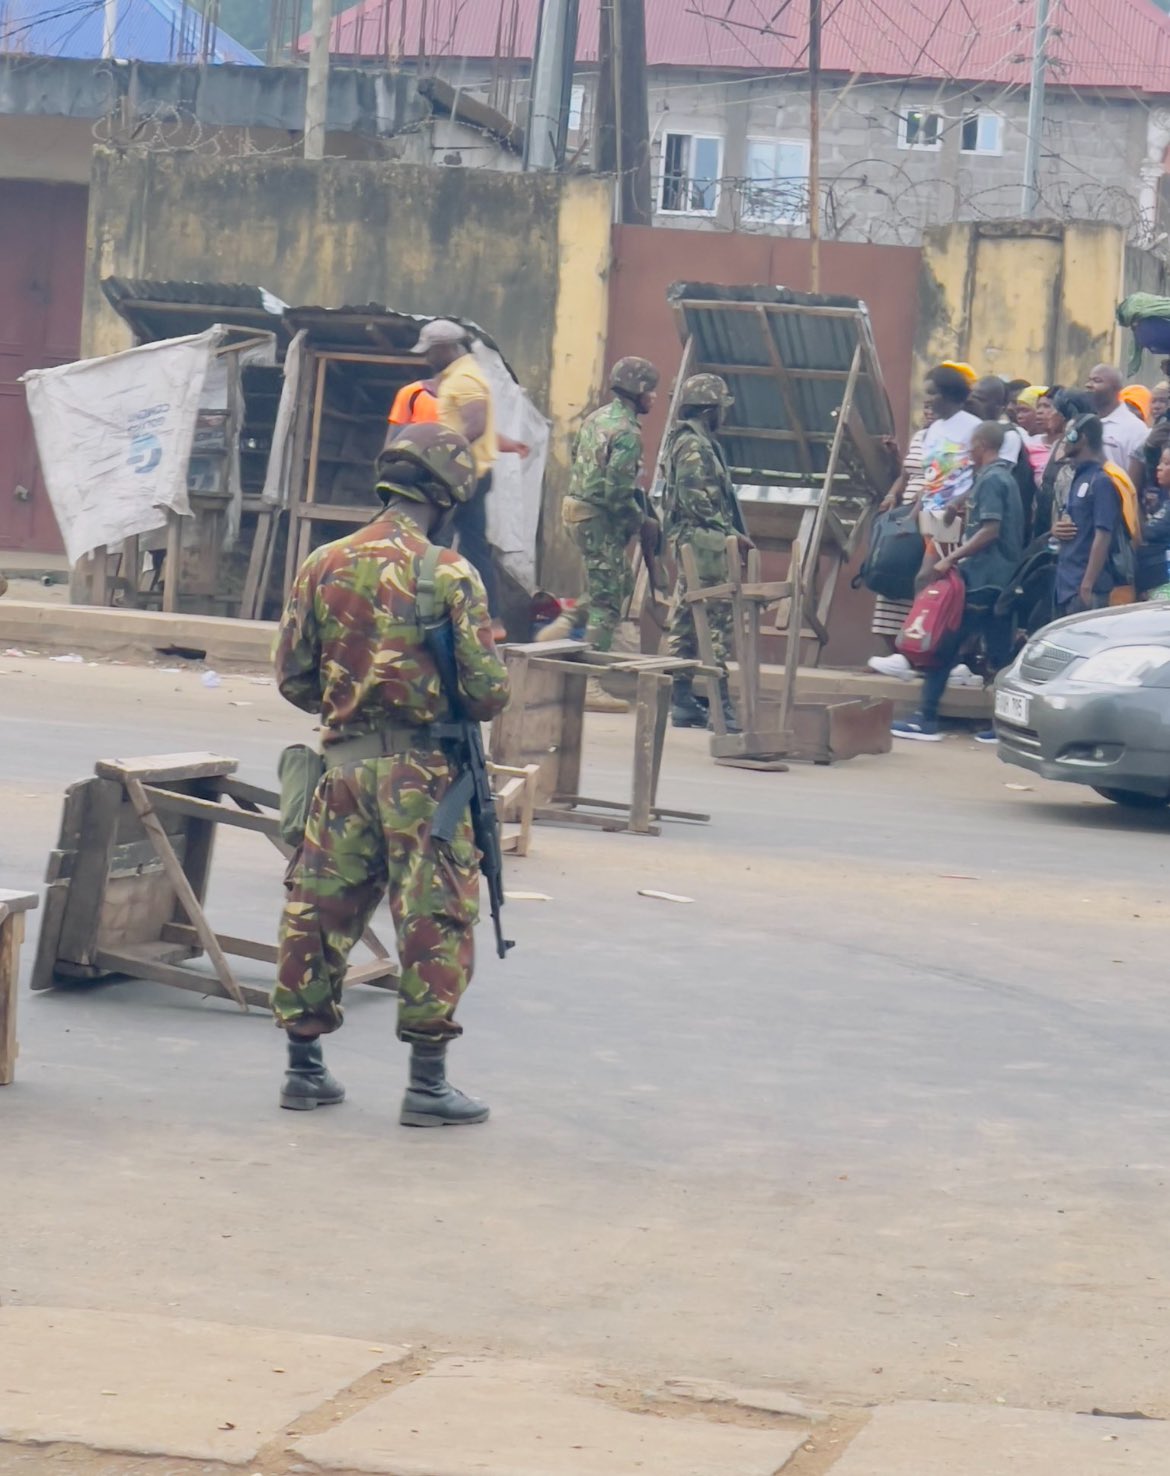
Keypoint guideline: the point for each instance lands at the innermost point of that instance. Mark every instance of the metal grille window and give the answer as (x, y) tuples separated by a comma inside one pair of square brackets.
[(918, 130), (691, 166), (776, 187)]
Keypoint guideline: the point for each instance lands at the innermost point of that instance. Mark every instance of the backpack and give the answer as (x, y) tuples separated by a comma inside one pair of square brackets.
[(932, 626), (894, 557)]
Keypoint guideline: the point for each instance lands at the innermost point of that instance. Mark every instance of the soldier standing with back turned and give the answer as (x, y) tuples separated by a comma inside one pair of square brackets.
[(604, 508), (351, 647), (700, 511)]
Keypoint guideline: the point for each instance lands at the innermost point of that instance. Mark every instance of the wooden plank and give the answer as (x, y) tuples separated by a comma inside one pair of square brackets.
[(297, 549), (340, 512), (183, 889), (749, 659), (95, 845), (11, 937), (256, 794), (173, 932), (572, 730), (140, 965), (595, 822), (747, 678), (656, 811), (13, 902), (205, 809), (792, 649), (377, 972), (52, 916), (167, 766), (172, 564), (645, 728), (257, 558), (703, 634)]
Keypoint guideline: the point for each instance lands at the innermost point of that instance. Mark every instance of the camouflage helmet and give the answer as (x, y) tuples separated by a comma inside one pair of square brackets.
[(442, 452), (633, 376), (706, 389)]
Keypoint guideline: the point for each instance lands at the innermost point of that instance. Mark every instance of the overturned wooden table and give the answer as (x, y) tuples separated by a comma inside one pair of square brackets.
[(544, 724), (128, 880)]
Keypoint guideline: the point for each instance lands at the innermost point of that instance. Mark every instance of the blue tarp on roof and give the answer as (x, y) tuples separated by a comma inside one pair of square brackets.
[(146, 30)]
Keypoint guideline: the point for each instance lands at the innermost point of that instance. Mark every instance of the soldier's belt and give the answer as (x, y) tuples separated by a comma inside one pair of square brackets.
[(573, 510), (399, 738)]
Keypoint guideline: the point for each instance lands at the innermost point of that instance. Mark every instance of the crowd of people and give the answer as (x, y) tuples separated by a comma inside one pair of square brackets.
[(1047, 500)]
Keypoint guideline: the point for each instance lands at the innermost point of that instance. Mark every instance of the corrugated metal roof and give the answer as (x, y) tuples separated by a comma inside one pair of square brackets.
[(146, 30), (158, 310), (1094, 43), (373, 327), (786, 358)]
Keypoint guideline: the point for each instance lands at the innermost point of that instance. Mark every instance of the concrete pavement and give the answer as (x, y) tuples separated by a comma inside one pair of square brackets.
[(878, 1118)]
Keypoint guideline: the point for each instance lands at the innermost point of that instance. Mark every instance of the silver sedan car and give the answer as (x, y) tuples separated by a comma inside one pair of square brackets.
[(1088, 701)]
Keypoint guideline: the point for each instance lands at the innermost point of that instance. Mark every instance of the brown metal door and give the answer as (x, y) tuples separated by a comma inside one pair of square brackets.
[(42, 264)]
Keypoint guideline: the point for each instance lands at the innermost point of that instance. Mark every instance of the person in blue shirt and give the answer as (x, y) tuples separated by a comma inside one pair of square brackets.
[(993, 544), (1091, 522)]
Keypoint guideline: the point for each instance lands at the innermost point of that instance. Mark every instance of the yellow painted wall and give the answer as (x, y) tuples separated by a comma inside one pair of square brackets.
[(1031, 299), (578, 353), (524, 255)]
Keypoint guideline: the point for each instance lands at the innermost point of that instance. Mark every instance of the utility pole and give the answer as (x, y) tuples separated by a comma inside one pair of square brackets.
[(317, 82), (623, 124), (109, 27), (814, 144), (552, 85), (1031, 192)]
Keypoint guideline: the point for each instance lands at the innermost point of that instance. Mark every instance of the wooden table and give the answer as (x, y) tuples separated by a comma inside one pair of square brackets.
[(544, 724)]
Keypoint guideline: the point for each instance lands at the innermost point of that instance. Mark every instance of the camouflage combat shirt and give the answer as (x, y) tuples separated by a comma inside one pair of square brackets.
[(606, 462), (699, 489), (350, 646)]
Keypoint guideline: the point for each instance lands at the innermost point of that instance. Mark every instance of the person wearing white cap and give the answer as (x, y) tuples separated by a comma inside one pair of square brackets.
[(464, 398)]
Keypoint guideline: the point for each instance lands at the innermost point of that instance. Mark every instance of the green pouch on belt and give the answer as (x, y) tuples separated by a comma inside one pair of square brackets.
[(300, 769), (710, 546)]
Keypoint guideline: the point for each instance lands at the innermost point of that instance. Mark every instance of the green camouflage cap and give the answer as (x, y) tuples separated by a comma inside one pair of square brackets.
[(706, 389), (436, 449), (633, 376)]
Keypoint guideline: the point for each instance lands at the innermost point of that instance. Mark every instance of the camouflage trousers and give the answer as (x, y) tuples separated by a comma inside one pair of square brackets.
[(682, 638), (368, 834), (609, 580)]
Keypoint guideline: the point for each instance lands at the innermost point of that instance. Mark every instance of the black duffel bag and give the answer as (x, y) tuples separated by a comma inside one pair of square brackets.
[(895, 554)]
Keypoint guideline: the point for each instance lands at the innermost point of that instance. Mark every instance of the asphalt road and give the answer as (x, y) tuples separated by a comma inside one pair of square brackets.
[(881, 1113)]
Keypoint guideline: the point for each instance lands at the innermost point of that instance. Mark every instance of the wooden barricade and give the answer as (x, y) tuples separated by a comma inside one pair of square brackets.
[(544, 726), (127, 883), (755, 747)]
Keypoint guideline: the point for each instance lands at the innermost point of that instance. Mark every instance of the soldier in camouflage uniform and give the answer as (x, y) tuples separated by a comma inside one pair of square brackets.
[(350, 648), (604, 509), (700, 511)]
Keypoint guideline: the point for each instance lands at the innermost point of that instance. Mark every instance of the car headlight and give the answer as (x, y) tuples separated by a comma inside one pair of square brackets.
[(1121, 666)]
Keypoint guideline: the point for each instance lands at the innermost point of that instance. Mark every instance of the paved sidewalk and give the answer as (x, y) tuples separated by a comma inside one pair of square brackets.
[(266, 1401)]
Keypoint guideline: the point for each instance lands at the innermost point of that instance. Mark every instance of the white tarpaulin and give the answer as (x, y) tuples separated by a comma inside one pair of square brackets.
[(114, 436), (513, 509)]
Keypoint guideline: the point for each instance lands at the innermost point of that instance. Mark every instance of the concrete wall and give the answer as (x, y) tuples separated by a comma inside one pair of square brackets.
[(525, 256), (1022, 298)]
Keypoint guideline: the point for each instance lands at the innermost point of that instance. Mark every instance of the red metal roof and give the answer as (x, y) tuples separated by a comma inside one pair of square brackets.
[(1095, 43)]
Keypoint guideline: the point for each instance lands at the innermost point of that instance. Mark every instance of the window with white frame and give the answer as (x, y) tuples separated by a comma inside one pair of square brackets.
[(576, 109), (920, 130), (775, 188), (692, 164), (981, 133)]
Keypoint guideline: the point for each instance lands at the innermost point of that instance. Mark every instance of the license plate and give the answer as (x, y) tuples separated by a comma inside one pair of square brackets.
[(1013, 707)]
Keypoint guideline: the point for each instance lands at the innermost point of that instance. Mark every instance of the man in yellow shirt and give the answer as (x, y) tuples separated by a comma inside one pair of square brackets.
[(464, 402)]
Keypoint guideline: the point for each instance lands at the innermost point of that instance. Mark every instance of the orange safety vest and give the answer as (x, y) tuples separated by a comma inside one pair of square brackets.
[(414, 404)]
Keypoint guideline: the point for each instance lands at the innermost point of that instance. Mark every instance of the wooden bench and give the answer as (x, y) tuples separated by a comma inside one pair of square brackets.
[(13, 906)]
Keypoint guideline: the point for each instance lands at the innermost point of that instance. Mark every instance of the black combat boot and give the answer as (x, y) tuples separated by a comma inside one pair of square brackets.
[(730, 716), (686, 711), (431, 1101), (309, 1083)]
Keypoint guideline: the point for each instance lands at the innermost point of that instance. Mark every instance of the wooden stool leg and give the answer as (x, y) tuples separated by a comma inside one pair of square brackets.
[(11, 937), (645, 730)]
